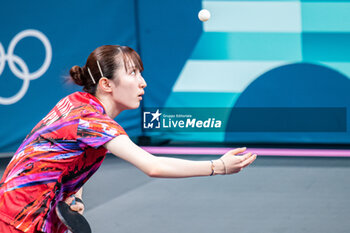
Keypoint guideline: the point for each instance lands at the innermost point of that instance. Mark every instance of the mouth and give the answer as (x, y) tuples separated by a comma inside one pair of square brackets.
[(140, 96)]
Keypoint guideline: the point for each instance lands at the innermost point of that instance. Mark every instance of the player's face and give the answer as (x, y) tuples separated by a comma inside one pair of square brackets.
[(129, 87)]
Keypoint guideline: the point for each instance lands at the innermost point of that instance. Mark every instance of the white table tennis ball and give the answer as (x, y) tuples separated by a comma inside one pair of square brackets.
[(204, 15)]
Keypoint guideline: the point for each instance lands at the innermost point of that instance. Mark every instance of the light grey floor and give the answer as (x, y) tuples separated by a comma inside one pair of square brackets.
[(274, 195), (282, 195)]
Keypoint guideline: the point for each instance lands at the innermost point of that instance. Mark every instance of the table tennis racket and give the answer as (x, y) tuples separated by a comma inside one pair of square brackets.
[(74, 221)]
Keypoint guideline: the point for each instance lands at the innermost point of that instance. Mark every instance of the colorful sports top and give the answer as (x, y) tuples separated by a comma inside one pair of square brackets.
[(60, 154)]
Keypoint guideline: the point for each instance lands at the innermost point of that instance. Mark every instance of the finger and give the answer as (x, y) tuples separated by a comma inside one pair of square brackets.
[(74, 207), (69, 200), (248, 161), (246, 156), (237, 150), (77, 207)]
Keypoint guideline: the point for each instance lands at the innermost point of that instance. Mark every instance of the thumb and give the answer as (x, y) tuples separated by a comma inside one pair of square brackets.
[(78, 207), (237, 150), (75, 207)]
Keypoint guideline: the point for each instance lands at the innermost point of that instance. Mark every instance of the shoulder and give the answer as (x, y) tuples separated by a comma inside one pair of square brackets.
[(84, 103)]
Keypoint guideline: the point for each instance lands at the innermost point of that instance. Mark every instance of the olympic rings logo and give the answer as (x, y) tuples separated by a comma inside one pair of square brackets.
[(24, 73)]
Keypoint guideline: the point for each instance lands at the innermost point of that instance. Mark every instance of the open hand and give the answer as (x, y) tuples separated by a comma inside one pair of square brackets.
[(235, 163)]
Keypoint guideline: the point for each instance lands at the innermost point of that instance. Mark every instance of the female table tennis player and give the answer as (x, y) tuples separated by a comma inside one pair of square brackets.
[(68, 145)]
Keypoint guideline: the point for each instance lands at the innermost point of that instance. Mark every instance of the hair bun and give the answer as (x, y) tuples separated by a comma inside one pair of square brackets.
[(76, 72)]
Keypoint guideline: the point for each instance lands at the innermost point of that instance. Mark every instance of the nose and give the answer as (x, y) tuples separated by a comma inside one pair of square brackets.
[(143, 83)]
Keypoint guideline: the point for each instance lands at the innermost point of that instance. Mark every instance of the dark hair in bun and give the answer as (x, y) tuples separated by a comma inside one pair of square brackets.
[(110, 58), (76, 73)]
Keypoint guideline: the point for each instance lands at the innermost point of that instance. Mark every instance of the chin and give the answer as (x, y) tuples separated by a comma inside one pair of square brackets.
[(134, 106)]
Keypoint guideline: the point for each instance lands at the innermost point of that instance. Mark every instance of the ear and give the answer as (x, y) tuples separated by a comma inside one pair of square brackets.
[(104, 84)]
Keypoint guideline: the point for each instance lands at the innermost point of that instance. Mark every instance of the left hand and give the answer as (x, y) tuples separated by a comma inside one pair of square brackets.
[(78, 206)]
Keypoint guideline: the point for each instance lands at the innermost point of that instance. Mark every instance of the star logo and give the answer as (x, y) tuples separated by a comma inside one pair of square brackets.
[(156, 115), (151, 120)]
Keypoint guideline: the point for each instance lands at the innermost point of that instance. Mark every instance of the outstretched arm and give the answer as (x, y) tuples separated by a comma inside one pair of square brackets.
[(166, 167)]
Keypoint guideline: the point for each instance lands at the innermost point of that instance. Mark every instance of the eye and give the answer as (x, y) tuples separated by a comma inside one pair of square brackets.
[(133, 72)]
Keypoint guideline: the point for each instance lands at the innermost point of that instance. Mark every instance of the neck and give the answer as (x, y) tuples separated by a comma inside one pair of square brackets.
[(108, 104)]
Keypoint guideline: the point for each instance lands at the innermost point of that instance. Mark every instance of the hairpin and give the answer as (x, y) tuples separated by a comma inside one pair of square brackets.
[(93, 80)]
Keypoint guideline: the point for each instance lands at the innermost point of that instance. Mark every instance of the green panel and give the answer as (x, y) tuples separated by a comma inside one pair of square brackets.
[(248, 46), (317, 1), (192, 136), (200, 99), (326, 47), (251, 1), (326, 17), (198, 137)]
